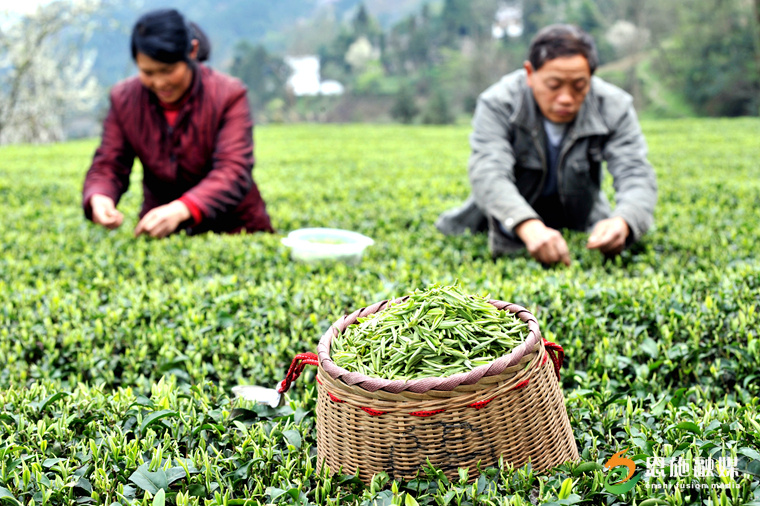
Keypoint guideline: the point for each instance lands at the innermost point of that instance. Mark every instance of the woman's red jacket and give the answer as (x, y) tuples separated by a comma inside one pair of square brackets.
[(205, 160)]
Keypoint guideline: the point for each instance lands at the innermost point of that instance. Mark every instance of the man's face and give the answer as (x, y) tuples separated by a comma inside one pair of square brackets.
[(560, 86)]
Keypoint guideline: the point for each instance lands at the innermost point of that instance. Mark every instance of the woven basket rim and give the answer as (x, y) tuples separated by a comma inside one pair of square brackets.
[(423, 385)]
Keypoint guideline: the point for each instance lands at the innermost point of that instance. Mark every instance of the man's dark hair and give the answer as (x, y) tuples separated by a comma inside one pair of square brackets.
[(165, 36), (555, 41)]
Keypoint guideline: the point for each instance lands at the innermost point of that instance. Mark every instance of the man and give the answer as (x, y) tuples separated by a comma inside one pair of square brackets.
[(539, 138)]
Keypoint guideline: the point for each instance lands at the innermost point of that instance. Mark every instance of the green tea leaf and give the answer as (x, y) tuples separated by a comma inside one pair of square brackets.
[(7, 497), (48, 463), (659, 406), (274, 493), (155, 417), (44, 404), (566, 489), (293, 437), (84, 484), (149, 481), (197, 490), (173, 474), (750, 453), (689, 426), (160, 498), (586, 467), (448, 496), (649, 346), (300, 414)]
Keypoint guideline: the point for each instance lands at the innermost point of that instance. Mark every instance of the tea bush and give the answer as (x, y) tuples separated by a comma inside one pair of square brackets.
[(119, 353)]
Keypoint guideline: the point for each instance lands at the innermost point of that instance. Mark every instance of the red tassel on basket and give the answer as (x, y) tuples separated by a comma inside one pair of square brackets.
[(556, 353), (296, 368)]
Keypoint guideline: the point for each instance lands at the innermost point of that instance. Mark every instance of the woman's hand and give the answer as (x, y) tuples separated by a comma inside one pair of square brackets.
[(163, 220), (104, 212)]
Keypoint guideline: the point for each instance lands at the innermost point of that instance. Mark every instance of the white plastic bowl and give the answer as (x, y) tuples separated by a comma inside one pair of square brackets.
[(320, 244)]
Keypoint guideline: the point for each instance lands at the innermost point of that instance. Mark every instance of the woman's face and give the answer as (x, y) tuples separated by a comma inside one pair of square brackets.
[(169, 81)]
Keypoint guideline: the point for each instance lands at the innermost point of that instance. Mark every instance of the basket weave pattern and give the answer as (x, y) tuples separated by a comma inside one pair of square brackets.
[(518, 414)]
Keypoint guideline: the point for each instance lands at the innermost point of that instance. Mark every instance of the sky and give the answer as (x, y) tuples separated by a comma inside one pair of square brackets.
[(19, 6)]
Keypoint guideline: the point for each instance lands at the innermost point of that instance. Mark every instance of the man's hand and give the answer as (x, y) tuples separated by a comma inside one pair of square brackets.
[(609, 236), (163, 220), (104, 212), (543, 243)]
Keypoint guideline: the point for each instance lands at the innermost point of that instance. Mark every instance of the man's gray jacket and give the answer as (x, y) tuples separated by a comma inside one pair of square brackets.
[(508, 164)]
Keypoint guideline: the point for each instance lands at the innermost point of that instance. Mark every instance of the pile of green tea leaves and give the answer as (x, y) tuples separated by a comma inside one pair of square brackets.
[(439, 331)]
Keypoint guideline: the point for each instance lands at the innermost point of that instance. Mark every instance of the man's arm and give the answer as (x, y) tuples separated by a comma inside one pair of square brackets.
[(491, 167), (633, 177)]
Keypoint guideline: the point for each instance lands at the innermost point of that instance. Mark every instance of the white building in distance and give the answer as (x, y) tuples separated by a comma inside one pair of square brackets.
[(305, 79), (508, 22)]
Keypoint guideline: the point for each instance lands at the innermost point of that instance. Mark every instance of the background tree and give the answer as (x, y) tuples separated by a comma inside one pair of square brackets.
[(405, 107), (437, 110), (307, 34), (757, 40), (457, 19), (363, 24), (264, 74), (713, 56), (45, 76)]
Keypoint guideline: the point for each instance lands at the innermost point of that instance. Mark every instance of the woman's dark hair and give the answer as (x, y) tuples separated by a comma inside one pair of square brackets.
[(204, 45), (559, 40), (165, 36)]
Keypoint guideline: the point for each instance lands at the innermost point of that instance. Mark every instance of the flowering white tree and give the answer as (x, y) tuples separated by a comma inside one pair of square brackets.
[(44, 78), (361, 53)]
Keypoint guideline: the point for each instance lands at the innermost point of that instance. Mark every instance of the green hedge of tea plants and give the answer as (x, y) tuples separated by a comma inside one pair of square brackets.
[(119, 354)]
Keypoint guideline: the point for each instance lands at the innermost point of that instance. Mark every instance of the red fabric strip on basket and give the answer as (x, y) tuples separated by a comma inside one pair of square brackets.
[(480, 404), (373, 412), (522, 384), (296, 368), (427, 413), (557, 355), (334, 399)]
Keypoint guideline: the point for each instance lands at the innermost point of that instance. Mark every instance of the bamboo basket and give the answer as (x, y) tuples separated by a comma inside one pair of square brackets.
[(511, 408)]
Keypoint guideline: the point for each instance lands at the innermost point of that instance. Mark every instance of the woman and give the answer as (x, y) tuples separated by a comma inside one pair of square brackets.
[(192, 130)]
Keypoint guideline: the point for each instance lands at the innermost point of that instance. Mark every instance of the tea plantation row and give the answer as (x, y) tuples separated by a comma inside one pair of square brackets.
[(119, 354)]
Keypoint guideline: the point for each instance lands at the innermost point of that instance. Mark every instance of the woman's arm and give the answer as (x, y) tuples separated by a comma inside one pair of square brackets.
[(111, 165)]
